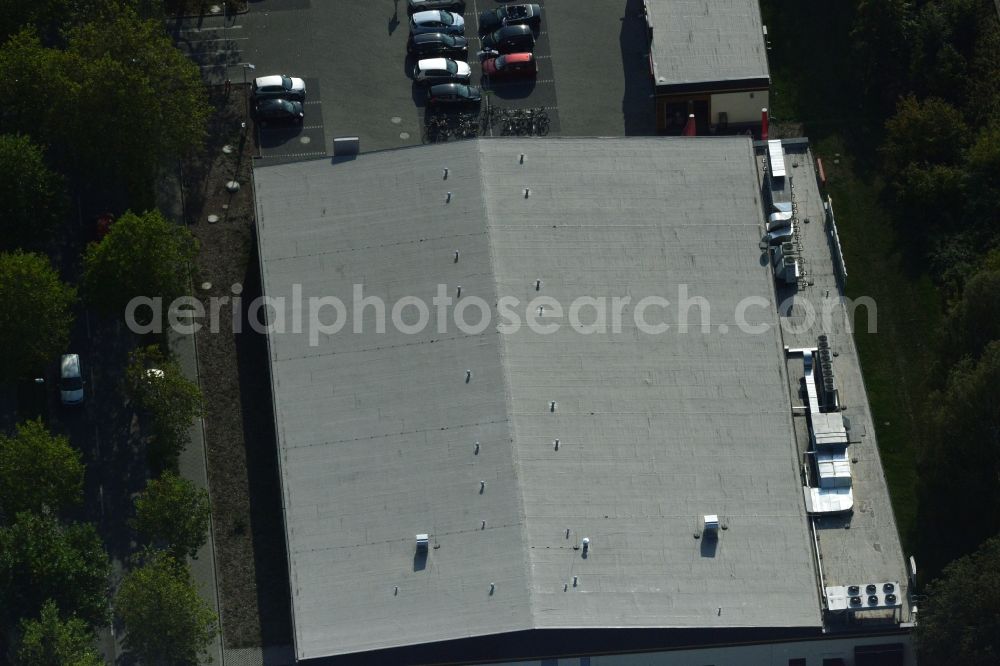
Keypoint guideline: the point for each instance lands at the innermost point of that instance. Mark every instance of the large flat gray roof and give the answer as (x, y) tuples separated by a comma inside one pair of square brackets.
[(378, 431), (707, 41)]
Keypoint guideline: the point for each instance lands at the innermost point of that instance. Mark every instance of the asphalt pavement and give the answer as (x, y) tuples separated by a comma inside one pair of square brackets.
[(593, 68)]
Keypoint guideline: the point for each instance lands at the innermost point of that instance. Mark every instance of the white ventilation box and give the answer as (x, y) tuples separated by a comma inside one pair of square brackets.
[(423, 541), (777, 156), (710, 524)]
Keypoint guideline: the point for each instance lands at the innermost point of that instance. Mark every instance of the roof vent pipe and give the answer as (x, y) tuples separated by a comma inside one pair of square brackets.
[(538, 285), (763, 124), (456, 256), (448, 200), (552, 406), (556, 443), (445, 173), (522, 158), (527, 192), (586, 544), (477, 448), (468, 376)]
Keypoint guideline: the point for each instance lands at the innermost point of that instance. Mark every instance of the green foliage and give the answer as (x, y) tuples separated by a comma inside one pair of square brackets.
[(942, 42), (983, 173), (38, 470), (930, 131), (120, 101), (173, 512), (41, 559), (960, 623), (169, 400), (166, 622), (879, 35), (51, 17), (51, 641), (142, 255), (32, 197), (35, 317), (960, 461), (975, 320)]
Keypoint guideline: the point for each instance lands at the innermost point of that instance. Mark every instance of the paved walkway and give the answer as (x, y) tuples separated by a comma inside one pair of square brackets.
[(192, 464)]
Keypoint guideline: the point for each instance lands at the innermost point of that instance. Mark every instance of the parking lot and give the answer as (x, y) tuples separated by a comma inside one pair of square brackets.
[(592, 73)]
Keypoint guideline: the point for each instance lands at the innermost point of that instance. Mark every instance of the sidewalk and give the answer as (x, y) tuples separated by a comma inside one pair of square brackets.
[(192, 464)]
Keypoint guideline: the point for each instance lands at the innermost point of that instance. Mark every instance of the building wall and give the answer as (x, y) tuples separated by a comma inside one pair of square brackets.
[(773, 654), (742, 107)]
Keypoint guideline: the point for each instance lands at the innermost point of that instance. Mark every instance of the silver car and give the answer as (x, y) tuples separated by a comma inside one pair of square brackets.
[(437, 21)]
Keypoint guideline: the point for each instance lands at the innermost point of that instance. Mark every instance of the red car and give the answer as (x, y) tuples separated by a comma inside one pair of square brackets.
[(512, 64)]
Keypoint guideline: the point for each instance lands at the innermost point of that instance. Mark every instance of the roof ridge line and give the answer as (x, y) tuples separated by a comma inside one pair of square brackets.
[(508, 398)]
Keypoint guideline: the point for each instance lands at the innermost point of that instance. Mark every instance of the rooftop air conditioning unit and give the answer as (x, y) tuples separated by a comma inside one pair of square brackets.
[(710, 523), (422, 542)]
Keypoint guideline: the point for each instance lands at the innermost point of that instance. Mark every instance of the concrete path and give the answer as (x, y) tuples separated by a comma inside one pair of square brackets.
[(192, 464)]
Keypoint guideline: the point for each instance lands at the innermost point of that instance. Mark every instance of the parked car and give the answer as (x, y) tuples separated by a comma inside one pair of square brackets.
[(279, 110), (70, 380), (279, 85), (457, 6), (437, 22), (491, 19), (430, 44), (510, 39), (453, 94), (510, 65), (441, 70)]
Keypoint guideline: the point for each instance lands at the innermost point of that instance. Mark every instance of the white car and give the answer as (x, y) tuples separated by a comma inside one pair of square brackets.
[(441, 70), (279, 86), (437, 21), (70, 380)]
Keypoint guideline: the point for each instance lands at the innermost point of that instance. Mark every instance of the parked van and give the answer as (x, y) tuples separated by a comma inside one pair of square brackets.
[(70, 380)]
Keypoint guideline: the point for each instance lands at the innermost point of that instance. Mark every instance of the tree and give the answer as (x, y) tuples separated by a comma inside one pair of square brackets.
[(142, 255), (880, 40), (121, 100), (51, 641), (974, 322), (131, 65), (960, 622), (41, 559), (175, 512), (959, 462), (51, 17), (931, 131), (32, 197), (170, 400), (38, 471), (35, 317), (166, 622)]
